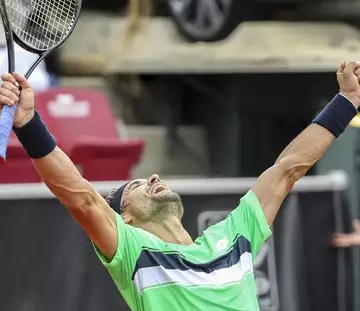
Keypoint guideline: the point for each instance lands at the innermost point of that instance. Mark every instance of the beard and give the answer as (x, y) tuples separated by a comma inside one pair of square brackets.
[(166, 205)]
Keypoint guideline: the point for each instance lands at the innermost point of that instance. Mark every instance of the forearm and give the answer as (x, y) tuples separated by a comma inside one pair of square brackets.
[(63, 179), (53, 165), (305, 150), (84, 203), (301, 154)]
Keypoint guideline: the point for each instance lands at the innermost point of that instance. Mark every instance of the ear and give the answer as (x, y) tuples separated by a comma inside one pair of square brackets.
[(126, 217)]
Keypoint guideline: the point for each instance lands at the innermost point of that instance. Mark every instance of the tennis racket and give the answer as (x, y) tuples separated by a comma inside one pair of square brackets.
[(38, 26)]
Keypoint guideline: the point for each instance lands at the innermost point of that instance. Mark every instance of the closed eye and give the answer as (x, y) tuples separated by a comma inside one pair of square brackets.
[(136, 184)]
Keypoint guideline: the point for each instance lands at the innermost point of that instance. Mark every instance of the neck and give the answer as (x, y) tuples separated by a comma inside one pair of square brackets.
[(169, 230)]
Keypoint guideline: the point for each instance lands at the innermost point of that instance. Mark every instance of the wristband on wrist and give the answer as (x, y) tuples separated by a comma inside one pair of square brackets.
[(35, 138), (337, 115)]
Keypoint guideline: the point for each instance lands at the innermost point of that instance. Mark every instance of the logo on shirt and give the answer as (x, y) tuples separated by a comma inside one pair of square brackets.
[(222, 244)]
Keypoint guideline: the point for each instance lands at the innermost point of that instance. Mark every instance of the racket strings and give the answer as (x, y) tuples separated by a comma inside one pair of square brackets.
[(42, 24)]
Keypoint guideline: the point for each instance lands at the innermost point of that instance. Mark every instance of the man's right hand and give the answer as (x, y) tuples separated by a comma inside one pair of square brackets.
[(348, 239), (11, 95)]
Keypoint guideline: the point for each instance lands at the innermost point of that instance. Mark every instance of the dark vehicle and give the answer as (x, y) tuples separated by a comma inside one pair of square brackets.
[(213, 20)]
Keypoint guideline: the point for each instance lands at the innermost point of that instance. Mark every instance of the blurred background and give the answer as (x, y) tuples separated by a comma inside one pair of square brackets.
[(206, 93)]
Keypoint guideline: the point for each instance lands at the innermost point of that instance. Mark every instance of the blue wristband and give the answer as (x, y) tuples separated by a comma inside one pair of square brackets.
[(337, 115), (35, 138)]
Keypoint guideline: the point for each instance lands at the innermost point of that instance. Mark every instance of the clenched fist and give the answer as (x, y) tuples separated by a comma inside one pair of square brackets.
[(348, 76), (11, 95)]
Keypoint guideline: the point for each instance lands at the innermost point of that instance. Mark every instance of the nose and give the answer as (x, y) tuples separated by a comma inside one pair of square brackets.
[(153, 179)]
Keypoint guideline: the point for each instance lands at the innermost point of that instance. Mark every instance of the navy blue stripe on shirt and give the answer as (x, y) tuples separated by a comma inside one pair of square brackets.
[(152, 258)]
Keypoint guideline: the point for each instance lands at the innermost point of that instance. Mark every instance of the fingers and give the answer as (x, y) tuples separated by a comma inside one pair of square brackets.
[(346, 239), (16, 79), (24, 83), (351, 66), (8, 77), (342, 240), (11, 87), (348, 68), (8, 97), (9, 93), (341, 68), (357, 72)]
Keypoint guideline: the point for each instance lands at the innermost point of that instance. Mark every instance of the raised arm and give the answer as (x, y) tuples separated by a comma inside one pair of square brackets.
[(56, 169), (304, 151), (84, 203)]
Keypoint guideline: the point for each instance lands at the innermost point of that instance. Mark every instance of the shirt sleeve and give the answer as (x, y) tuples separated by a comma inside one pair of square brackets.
[(249, 220), (129, 248)]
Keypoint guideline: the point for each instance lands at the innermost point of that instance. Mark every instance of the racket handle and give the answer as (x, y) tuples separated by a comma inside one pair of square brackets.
[(6, 124)]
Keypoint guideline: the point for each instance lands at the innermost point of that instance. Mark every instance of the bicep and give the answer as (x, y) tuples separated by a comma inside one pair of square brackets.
[(271, 189), (84, 203), (93, 215), (99, 224), (274, 185)]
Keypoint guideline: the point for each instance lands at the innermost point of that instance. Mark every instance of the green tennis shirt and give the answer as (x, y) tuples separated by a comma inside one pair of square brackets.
[(212, 274)]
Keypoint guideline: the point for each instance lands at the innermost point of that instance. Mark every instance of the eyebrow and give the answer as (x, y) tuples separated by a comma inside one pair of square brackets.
[(134, 183)]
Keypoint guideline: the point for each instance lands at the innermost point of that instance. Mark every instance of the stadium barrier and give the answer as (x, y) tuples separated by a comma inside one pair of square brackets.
[(48, 263)]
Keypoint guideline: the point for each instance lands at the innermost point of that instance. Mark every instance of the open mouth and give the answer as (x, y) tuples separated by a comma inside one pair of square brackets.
[(157, 189)]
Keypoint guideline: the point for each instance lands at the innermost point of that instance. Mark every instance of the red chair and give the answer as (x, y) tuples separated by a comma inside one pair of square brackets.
[(18, 167), (84, 127)]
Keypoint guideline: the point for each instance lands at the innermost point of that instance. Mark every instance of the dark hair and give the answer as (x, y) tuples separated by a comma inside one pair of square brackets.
[(114, 199), (110, 198)]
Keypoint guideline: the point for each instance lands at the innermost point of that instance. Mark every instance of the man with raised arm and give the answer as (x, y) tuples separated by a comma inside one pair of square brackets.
[(137, 231)]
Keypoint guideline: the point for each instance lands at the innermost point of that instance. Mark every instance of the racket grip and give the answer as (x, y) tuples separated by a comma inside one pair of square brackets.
[(6, 124)]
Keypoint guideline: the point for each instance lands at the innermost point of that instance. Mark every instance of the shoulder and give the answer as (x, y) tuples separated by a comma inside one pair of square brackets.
[(249, 206), (250, 199)]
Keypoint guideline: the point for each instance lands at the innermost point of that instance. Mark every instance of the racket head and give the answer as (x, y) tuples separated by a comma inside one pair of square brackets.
[(40, 26)]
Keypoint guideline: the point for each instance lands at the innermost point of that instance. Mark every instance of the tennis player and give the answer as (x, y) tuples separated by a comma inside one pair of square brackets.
[(137, 231)]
